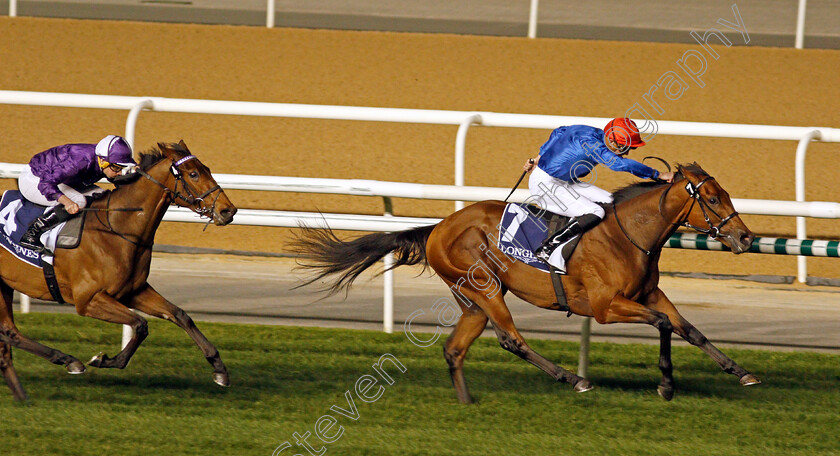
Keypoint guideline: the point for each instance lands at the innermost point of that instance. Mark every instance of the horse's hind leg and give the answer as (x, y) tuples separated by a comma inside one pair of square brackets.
[(151, 302), (9, 334), (9, 373), (512, 341), (469, 327), (104, 307), (687, 331)]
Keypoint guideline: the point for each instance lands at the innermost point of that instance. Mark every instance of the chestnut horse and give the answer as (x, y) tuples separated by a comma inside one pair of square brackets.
[(105, 277), (613, 274)]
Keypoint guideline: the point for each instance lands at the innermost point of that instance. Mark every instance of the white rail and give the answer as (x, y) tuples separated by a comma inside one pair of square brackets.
[(385, 189), (463, 119)]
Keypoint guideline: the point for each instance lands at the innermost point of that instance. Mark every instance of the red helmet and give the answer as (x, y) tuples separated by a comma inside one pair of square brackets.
[(624, 132)]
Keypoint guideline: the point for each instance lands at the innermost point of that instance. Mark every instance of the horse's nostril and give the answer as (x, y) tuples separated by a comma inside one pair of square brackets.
[(746, 239), (227, 214)]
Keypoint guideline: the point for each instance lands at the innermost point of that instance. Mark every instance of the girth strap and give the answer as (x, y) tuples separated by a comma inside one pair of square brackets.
[(559, 292), (52, 282)]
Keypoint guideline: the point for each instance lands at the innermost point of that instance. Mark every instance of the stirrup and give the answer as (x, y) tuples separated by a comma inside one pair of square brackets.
[(34, 245)]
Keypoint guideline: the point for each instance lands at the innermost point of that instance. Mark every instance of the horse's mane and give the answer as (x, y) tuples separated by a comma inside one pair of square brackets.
[(155, 154), (638, 188)]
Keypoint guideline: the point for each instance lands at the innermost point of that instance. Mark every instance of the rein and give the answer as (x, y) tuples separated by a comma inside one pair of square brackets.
[(694, 193), (111, 229)]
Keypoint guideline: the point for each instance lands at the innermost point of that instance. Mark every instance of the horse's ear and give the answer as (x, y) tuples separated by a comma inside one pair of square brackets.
[(184, 145)]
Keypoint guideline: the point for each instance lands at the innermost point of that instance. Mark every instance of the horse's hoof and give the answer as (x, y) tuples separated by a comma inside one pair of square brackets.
[(76, 368), (221, 379), (98, 359), (583, 386), (749, 380), (666, 392)]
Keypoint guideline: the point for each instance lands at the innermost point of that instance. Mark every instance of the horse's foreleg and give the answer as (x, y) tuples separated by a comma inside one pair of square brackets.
[(8, 371), (687, 331), (104, 307), (469, 327), (623, 310), (151, 302)]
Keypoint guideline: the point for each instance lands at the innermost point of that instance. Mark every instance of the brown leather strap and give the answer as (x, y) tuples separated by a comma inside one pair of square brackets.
[(52, 282)]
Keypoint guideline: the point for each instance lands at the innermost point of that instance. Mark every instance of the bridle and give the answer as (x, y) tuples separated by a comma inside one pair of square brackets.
[(694, 193), (189, 198), (173, 194)]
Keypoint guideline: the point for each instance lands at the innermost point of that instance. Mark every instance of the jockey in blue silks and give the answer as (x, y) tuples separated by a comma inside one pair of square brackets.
[(569, 154), (63, 175)]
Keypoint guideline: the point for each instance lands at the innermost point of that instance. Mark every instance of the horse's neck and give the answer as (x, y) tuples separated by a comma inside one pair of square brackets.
[(146, 195), (644, 223)]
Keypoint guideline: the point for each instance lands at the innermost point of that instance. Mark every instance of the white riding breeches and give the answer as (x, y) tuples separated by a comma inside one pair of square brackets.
[(28, 185), (571, 199)]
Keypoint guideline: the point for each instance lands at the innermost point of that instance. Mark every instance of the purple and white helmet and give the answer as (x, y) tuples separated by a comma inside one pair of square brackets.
[(115, 149)]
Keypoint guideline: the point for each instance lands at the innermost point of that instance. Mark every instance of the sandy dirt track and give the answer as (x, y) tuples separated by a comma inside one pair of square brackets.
[(544, 76)]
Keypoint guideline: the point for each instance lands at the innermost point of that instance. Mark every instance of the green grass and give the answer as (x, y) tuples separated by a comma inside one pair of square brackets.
[(284, 379)]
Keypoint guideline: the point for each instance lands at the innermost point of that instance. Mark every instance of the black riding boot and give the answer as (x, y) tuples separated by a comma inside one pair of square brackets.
[(32, 238), (563, 237)]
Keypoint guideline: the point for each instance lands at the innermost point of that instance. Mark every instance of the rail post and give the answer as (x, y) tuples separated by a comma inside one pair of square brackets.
[(460, 147), (130, 127), (801, 150), (583, 356), (388, 281), (25, 303), (532, 19), (269, 14), (131, 121), (800, 24)]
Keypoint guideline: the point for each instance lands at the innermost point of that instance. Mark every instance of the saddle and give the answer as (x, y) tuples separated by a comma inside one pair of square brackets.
[(522, 230)]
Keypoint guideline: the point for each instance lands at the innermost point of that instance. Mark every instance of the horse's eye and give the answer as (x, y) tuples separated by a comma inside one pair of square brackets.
[(194, 174), (713, 200)]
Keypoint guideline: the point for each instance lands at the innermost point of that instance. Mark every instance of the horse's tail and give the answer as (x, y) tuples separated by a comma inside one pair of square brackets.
[(323, 251)]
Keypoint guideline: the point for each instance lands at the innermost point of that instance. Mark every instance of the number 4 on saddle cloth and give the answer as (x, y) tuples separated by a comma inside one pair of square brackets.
[(16, 213)]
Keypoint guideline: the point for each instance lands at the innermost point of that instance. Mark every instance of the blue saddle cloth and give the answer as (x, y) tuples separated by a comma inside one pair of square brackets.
[(16, 214), (522, 230)]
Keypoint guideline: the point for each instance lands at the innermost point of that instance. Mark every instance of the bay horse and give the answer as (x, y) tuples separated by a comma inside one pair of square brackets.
[(613, 274), (105, 276)]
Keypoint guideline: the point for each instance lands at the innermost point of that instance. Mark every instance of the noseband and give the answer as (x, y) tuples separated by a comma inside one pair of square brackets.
[(189, 198)]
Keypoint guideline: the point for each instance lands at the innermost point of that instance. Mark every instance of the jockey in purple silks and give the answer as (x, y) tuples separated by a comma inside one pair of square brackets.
[(63, 175)]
